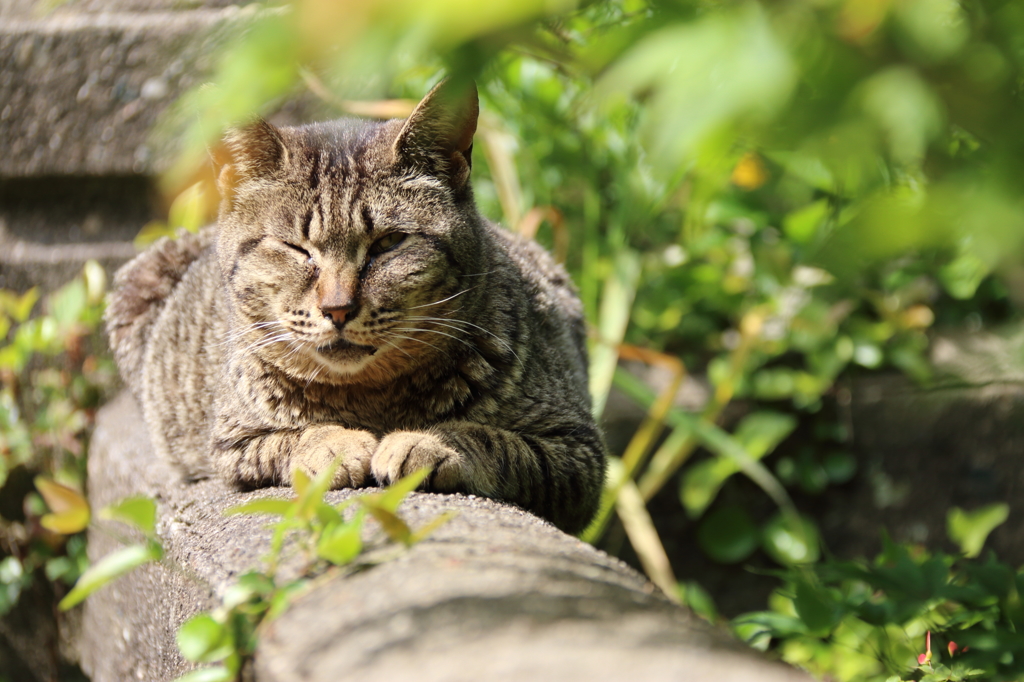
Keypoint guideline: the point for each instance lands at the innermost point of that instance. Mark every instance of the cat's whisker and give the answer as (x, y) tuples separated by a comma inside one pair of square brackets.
[(236, 334), (413, 338), (434, 331), (482, 274), (264, 342), (441, 322), (398, 348), (443, 300)]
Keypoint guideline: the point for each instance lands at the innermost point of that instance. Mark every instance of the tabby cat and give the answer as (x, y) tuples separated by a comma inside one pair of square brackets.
[(351, 304)]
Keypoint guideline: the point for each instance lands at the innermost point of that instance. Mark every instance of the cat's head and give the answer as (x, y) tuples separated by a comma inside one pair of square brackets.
[(338, 241)]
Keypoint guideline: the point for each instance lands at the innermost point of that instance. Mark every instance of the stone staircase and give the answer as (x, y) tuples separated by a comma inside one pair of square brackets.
[(81, 88)]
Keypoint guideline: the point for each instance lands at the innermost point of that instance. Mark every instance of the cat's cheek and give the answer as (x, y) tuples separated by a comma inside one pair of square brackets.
[(405, 452)]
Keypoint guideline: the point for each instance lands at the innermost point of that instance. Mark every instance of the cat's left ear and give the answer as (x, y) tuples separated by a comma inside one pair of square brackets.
[(251, 152), (438, 135)]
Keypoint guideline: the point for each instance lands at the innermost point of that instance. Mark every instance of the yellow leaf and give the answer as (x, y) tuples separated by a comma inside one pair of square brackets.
[(60, 498), (67, 522)]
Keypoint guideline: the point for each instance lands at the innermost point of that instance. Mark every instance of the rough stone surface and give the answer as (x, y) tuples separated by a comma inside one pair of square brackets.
[(493, 594), (80, 92)]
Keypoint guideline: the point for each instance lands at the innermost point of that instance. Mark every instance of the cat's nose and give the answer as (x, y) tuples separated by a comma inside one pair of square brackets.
[(339, 314)]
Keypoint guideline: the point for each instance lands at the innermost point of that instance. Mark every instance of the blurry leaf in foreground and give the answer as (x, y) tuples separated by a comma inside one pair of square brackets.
[(703, 76), (202, 639), (904, 107), (109, 567), (971, 529), (135, 511)]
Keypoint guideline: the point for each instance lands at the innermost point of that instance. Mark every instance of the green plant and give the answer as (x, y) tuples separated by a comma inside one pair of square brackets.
[(53, 376), (908, 615), (307, 527)]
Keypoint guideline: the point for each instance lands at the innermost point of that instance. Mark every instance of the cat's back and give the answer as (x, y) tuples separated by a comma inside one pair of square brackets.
[(140, 293)]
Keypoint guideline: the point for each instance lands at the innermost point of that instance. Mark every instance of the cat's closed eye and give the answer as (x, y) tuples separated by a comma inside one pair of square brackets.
[(300, 250), (387, 242)]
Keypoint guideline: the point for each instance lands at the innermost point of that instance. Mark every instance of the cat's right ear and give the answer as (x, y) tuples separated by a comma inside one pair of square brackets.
[(250, 152)]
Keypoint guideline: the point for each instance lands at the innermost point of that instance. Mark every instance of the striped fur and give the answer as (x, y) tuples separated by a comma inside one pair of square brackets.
[(351, 304)]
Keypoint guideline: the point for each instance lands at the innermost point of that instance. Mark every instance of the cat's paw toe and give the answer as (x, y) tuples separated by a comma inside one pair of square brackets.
[(405, 452), (352, 450)]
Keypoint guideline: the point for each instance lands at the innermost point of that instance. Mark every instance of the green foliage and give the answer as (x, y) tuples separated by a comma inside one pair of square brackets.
[(322, 534), (52, 378), (861, 621)]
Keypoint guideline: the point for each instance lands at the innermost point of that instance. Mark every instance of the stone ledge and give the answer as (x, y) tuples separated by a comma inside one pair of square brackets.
[(493, 594), (81, 92)]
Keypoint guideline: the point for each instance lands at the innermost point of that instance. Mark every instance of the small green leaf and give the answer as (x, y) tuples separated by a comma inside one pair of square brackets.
[(264, 506), (217, 673), (395, 527), (727, 535), (762, 431), (971, 529), (341, 543), (698, 599), (95, 278), (816, 608), (300, 481), (19, 307), (391, 498), (701, 483), (202, 639), (152, 232), (788, 545), (424, 532), (109, 567), (801, 225), (135, 511)]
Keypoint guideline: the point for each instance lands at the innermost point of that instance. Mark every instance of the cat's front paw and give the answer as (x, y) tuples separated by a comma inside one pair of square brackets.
[(322, 445), (404, 452)]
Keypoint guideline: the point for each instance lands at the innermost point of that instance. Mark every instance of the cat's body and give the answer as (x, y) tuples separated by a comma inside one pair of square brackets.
[(353, 304)]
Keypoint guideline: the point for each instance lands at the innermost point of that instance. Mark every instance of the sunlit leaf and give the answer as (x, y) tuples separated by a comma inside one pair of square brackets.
[(263, 506), (970, 529), (135, 511), (789, 545), (70, 510), (393, 525), (391, 498), (341, 543), (108, 568), (202, 639)]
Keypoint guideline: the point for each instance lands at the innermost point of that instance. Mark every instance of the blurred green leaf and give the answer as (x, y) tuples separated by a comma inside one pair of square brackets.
[(728, 535), (341, 543), (108, 568), (970, 529), (263, 506), (819, 610), (699, 600), (202, 639), (789, 545), (135, 511)]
